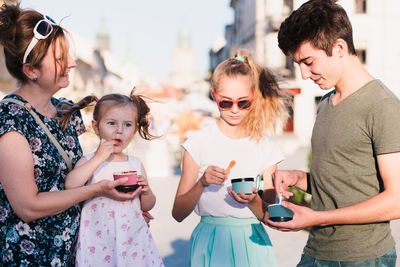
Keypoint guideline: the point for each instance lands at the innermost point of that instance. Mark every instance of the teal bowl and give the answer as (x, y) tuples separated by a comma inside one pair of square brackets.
[(245, 185), (279, 213)]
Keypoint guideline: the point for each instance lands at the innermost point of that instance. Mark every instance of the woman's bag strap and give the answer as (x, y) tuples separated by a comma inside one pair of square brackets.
[(28, 107)]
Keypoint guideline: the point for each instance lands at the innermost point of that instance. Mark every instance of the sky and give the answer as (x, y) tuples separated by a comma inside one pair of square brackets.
[(147, 30)]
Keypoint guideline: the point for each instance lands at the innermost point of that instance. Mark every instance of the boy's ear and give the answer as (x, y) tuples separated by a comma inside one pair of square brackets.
[(95, 127), (341, 47)]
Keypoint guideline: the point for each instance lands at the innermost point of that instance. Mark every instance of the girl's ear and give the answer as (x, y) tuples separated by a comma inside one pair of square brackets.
[(29, 71), (95, 127), (213, 93)]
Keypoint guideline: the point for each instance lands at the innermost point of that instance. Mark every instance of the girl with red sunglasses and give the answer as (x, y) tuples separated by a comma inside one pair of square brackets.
[(250, 105)]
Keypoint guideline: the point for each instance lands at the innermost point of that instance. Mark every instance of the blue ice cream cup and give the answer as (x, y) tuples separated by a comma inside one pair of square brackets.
[(245, 185), (279, 213)]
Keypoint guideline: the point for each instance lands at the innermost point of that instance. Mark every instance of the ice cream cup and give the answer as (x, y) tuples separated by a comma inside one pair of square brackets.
[(245, 185), (279, 213), (130, 185)]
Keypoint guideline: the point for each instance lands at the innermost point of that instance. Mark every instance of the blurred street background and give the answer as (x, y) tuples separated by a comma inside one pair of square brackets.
[(168, 51)]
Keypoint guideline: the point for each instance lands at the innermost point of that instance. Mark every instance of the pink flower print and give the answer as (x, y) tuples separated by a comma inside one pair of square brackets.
[(143, 257), (92, 250), (102, 205), (123, 216), (105, 247), (93, 207), (111, 214), (136, 244), (130, 240), (150, 237), (137, 214), (134, 255), (124, 226), (86, 223), (123, 254), (96, 223), (98, 233), (107, 258), (79, 245)]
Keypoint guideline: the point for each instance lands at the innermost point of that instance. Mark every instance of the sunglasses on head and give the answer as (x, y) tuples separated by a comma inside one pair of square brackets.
[(42, 30), (225, 104)]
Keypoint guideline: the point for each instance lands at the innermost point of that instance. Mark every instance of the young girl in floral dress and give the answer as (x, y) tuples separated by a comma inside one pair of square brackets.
[(112, 232)]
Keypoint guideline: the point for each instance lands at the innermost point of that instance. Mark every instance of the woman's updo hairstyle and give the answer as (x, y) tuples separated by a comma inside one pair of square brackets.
[(16, 32)]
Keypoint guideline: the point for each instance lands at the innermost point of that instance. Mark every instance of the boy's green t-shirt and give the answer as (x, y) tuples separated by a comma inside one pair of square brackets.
[(346, 140)]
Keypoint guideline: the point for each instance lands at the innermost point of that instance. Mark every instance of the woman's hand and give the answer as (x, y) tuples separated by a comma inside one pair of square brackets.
[(108, 190), (213, 175)]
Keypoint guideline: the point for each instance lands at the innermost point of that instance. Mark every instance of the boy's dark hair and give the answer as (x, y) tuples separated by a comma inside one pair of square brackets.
[(320, 22)]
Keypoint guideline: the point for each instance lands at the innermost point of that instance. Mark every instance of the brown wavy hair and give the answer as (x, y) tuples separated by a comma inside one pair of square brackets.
[(16, 32), (102, 105), (269, 104)]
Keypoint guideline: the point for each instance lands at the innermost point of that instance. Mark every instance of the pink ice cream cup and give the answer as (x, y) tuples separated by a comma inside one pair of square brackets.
[(130, 185)]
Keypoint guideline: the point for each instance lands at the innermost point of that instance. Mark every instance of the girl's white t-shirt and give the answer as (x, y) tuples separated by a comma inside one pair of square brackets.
[(209, 146)]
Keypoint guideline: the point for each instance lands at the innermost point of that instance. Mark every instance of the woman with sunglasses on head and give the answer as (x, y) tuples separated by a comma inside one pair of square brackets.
[(250, 106), (38, 218)]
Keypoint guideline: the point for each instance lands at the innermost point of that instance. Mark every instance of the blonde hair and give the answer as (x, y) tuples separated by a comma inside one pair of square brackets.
[(269, 104)]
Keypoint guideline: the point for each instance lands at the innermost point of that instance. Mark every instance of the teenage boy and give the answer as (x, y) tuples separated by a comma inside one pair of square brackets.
[(354, 177)]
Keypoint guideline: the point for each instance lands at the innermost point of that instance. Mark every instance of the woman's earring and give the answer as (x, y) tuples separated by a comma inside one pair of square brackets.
[(34, 79)]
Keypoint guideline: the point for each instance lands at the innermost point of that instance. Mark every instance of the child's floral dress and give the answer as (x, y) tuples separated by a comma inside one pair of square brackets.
[(114, 233)]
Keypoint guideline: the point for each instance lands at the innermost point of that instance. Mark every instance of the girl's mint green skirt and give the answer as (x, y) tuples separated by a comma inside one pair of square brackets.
[(230, 242)]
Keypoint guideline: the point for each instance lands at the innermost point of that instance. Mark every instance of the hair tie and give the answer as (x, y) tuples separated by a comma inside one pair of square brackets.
[(240, 58)]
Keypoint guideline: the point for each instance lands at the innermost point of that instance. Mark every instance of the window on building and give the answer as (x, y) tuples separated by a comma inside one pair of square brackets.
[(362, 55), (289, 126), (361, 6), (288, 5), (289, 65)]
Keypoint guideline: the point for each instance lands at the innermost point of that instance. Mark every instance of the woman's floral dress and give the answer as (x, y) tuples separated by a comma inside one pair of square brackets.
[(49, 241)]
